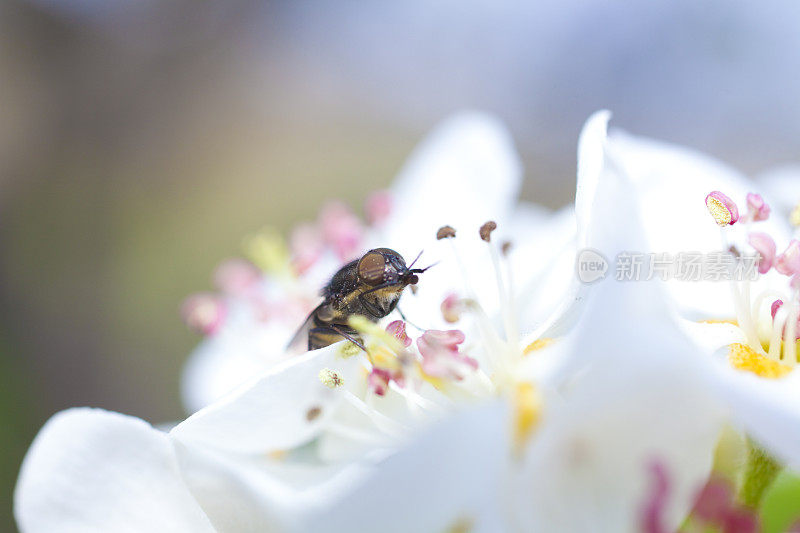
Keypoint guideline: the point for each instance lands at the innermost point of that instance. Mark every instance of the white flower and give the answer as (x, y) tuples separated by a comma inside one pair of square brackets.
[(464, 176), (465, 173), (747, 328), (613, 398), (95, 471), (475, 430)]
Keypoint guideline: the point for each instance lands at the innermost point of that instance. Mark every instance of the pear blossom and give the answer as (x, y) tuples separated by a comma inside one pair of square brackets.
[(465, 173), (747, 327), (342, 439)]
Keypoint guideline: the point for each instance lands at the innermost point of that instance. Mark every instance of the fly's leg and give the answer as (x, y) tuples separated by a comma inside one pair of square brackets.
[(349, 334), (370, 307), (407, 321), (322, 336)]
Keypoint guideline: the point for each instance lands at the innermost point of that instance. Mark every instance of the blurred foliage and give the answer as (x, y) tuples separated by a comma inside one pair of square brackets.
[(781, 506), (17, 408)]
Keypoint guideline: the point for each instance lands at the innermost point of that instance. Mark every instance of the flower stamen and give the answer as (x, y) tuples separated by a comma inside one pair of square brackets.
[(330, 378), (722, 208), (503, 294), (757, 208)]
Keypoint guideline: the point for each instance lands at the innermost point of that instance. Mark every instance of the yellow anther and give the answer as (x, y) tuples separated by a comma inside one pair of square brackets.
[(722, 208), (348, 350), (376, 334), (743, 357), (527, 411), (794, 218), (330, 378), (538, 344), (267, 250), (718, 210)]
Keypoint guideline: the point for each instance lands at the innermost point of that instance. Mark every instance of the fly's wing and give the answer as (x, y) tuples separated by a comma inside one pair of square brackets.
[(299, 342)]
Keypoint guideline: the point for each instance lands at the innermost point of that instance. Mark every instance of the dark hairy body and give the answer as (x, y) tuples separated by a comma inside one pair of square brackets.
[(370, 287)]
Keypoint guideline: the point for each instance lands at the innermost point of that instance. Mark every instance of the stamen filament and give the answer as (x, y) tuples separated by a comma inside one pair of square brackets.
[(505, 307), (777, 333), (767, 296), (463, 270), (741, 304), (493, 342), (539, 278), (790, 338), (488, 333), (484, 379)]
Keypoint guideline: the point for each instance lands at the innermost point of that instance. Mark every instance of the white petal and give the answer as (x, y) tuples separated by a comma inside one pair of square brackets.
[(93, 471), (543, 265), (563, 286), (464, 173), (251, 494), (710, 337), (271, 412), (447, 474), (638, 399), (768, 409), (632, 395), (224, 361), (451, 473), (591, 162)]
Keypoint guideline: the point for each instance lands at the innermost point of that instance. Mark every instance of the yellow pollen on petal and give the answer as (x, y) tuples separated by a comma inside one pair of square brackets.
[(278, 455), (330, 378), (728, 321), (794, 218), (742, 357), (348, 350), (718, 210), (527, 412), (538, 344)]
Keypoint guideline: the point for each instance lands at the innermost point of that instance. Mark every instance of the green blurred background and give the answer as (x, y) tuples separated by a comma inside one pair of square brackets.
[(140, 141)]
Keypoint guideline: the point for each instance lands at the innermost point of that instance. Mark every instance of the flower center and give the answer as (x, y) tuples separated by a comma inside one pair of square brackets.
[(441, 369), (743, 357), (771, 330)]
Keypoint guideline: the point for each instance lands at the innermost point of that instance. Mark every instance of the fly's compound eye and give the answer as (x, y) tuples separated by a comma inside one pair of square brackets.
[(371, 268)]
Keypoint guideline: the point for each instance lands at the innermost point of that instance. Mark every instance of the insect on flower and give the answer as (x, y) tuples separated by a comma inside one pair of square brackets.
[(370, 286)]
